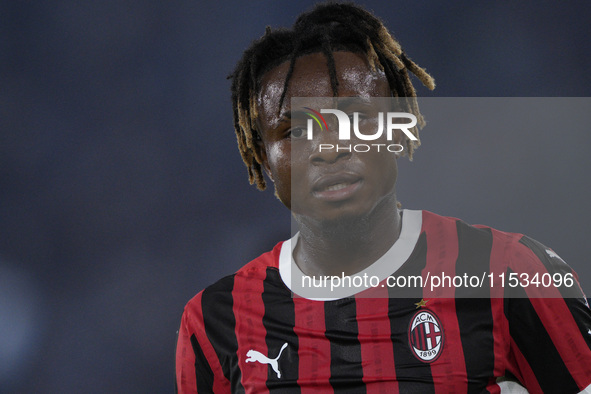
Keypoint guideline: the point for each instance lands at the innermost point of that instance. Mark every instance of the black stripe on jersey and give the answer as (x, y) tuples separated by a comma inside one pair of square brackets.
[(203, 372), (220, 326), (279, 321), (541, 354), (409, 370), (473, 306), (345, 350)]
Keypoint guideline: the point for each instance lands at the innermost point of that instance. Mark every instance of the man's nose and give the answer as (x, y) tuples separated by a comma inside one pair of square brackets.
[(328, 149)]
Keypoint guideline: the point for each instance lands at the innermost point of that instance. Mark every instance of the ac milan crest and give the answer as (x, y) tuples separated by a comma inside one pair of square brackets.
[(425, 336)]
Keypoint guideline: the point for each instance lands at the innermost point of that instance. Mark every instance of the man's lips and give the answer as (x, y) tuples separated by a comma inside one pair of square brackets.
[(335, 187)]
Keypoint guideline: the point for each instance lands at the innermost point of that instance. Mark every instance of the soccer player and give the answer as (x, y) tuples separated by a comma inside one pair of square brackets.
[(249, 332)]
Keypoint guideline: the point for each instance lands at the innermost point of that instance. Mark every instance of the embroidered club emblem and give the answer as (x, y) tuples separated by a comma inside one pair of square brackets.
[(425, 336), (254, 355)]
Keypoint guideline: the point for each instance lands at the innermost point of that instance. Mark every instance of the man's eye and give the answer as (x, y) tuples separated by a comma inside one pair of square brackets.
[(297, 132), (360, 116)]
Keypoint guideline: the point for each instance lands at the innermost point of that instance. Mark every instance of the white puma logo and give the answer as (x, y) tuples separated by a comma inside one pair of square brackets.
[(254, 355)]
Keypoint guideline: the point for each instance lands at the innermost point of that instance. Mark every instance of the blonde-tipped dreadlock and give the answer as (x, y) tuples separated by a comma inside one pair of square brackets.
[(327, 28)]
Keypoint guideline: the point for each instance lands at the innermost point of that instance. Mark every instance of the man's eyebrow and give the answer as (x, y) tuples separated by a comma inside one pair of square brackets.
[(288, 115), (346, 101)]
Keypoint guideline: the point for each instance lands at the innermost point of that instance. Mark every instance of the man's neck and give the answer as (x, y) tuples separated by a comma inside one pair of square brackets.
[(347, 247)]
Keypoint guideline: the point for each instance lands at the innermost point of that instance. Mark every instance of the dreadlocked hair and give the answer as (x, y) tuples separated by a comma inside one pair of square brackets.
[(327, 28)]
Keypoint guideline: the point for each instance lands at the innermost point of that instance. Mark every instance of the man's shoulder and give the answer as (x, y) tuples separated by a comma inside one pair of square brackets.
[(255, 270), (512, 245), (431, 219), (215, 304)]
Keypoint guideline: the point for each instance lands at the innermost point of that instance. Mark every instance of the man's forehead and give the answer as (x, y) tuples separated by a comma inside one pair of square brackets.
[(311, 78)]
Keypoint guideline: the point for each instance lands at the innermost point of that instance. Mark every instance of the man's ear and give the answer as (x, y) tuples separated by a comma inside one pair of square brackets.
[(262, 153)]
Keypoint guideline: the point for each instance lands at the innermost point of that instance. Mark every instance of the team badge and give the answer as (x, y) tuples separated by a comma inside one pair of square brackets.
[(425, 336)]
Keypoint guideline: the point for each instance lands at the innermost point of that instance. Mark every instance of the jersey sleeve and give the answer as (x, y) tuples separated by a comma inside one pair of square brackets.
[(193, 371), (550, 330)]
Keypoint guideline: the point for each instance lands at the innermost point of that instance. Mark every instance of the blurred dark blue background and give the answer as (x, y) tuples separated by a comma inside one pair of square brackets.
[(122, 193)]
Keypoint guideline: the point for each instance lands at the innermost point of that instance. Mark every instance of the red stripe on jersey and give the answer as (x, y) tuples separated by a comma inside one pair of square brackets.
[(185, 357), (523, 371), (558, 321), (377, 354), (248, 311), (314, 348), (449, 370), (185, 360)]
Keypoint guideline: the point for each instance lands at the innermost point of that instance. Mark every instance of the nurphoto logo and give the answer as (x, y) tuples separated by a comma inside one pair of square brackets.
[(387, 122)]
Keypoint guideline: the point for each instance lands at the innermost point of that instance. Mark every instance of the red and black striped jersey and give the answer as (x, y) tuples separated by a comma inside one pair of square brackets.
[(247, 333)]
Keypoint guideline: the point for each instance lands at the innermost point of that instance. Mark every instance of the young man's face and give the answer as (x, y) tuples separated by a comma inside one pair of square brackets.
[(323, 185)]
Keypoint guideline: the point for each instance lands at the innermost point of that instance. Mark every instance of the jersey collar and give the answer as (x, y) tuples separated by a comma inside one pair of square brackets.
[(385, 266)]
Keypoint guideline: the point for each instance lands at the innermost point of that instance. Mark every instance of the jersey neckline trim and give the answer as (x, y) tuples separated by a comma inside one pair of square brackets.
[(389, 263)]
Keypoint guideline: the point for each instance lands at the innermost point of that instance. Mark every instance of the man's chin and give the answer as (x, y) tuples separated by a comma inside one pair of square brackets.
[(344, 223)]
